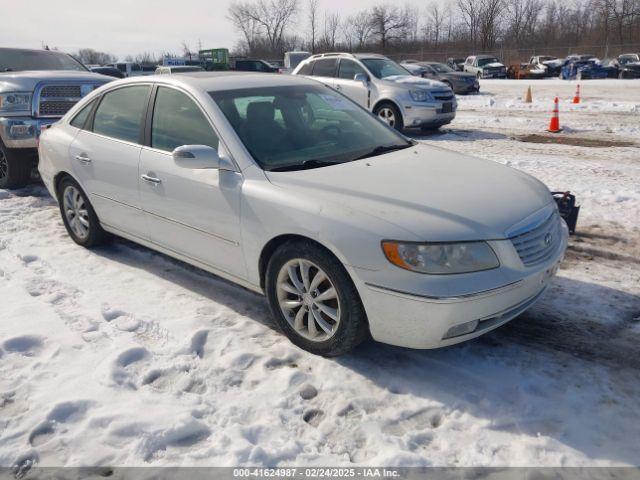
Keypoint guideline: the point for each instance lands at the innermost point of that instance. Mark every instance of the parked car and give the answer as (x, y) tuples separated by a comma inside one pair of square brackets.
[(108, 71), (133, 69), (459, 82), (456, 64), (37, 87), (282, 185), (168, 70), (385, 88), (552, 65), (581, 68), (485, 66), (253, 65), (526, 71), (626, 66)]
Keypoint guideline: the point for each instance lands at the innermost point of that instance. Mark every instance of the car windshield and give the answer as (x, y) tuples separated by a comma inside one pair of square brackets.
[(20, 60), (546, 59), (624, 59), (304, 126), (486, 61), (440, 67), (383, 67)]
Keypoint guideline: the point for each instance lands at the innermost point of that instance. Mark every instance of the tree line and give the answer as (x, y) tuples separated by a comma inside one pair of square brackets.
[(268, 28)]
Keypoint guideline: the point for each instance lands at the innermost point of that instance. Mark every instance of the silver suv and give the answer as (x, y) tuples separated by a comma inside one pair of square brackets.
[(384, 88), (37, 87)]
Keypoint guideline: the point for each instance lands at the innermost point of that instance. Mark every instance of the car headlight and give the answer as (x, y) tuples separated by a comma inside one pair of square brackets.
[(15, 102), (441, 258), (420, 95)]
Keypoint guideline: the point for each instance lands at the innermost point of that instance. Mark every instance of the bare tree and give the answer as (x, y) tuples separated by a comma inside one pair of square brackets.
[(436, 22), (264, 17), (389, 23), (489, 22), (522, 17), (313, 23), (330, 30), (360, 28), (89, 56)]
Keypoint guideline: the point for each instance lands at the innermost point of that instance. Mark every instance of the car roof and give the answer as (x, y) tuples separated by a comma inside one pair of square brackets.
[(216, 81)]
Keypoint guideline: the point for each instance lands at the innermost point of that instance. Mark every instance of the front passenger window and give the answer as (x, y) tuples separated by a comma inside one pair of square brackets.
[(178, 121), (119, 114), (349, 69)]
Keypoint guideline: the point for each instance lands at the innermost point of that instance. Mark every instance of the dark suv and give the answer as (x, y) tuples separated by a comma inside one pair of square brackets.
[(252, 65)]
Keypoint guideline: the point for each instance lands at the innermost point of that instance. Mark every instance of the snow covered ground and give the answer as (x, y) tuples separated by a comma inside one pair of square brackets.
[(122, 356)]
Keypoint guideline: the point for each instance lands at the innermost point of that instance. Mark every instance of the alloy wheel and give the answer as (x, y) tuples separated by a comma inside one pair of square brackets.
[(308, 300), (387, 115), (76, 212)]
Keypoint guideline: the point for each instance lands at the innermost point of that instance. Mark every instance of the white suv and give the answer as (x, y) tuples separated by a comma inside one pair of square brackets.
[(385, 88)]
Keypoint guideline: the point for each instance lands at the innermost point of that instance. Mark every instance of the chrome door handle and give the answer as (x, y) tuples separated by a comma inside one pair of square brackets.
[(83, 159), (154, 180)]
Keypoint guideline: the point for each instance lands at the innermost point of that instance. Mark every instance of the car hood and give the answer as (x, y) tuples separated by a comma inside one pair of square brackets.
[(26, 81), (493, 65), (414, 81), (433, 193)]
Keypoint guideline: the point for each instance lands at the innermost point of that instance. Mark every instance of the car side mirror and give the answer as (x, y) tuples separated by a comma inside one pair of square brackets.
[(362, 78), (200, 157)]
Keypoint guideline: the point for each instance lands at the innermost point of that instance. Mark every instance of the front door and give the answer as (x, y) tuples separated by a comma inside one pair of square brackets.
[(345, 83), (195, 213), (105, 156)]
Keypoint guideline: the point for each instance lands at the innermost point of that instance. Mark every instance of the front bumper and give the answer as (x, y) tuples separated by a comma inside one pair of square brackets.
[(418, 320), (466, 87), (421, 114), (22, 132)]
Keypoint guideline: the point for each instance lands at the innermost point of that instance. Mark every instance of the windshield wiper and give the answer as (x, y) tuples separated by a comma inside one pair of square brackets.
[(303, 166), (379, 150)]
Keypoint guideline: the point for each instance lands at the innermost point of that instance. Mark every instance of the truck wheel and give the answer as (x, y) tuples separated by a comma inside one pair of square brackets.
[(313, 300), (14, 169), (389, 113)]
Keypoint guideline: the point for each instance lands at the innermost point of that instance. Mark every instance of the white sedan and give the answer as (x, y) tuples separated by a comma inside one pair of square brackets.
[(286, 187)]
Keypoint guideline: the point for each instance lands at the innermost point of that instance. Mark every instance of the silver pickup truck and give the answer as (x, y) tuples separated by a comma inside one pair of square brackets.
[(37, 87)]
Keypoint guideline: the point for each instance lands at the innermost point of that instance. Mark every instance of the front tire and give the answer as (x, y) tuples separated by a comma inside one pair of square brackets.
[(389, 113), (78, 215), (313, 299), (15, 169)]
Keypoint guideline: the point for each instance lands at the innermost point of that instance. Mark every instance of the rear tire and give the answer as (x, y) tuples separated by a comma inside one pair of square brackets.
[(389, 113), (324, 317), (78, 215), (15, 169)]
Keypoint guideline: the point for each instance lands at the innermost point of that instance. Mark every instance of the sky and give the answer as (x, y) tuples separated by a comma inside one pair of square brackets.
[(124, 27)]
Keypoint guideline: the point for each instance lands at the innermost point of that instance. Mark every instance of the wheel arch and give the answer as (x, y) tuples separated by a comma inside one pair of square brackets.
[(59, 177), (386, 100), (273, 244)]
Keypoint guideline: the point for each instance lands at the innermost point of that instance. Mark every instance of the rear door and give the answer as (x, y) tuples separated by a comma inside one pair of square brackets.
[(324, 70), (345, 83), (105, 156), (195, 213)]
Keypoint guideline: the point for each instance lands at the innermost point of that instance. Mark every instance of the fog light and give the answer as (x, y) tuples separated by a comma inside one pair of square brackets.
[(20, 130), (462, 329)]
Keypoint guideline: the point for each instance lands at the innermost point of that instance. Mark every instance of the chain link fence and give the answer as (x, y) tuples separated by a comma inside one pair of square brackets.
[(518, 55)]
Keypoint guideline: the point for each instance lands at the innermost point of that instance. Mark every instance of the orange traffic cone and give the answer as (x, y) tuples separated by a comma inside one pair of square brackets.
[(528, 98), (576, 99), (554, 125)]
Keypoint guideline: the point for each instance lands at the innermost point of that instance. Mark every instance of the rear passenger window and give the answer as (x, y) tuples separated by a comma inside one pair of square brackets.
[(178, 121), (306, 69), (119, 114), (325, 67), (81, 118)]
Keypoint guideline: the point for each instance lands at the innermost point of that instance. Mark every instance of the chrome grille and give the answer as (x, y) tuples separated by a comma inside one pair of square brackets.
[(65, 91), (55, 108), (443, 96), (539, 243), (54, 100)]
